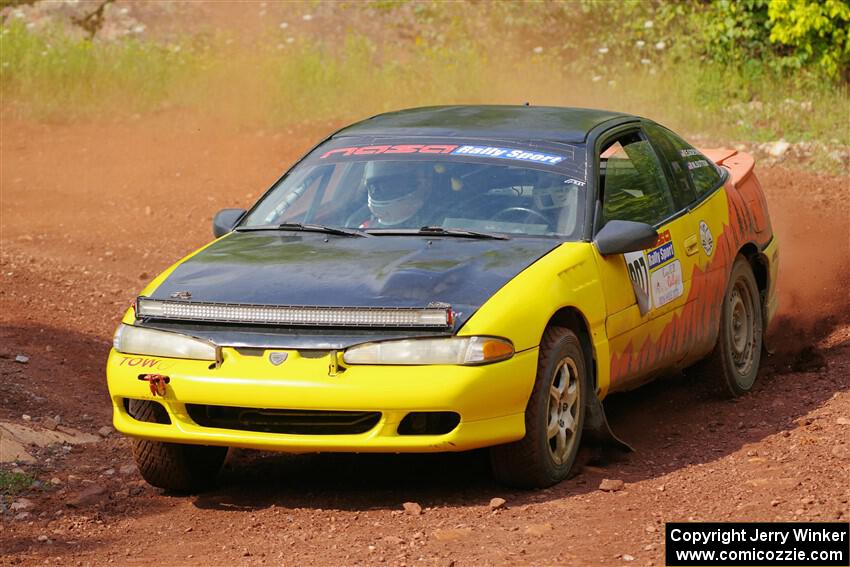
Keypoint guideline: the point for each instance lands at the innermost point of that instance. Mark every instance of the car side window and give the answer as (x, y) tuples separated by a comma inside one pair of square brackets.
[(683, 192), (704, 173), (633, 184)]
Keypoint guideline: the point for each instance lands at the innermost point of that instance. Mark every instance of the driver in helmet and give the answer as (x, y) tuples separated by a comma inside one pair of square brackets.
[(396, 193)]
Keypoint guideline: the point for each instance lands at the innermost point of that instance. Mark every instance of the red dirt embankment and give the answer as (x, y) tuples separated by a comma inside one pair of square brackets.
[(89, 213)]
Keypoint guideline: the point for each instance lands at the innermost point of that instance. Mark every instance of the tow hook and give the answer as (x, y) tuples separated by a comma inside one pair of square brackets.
[(156, 382)]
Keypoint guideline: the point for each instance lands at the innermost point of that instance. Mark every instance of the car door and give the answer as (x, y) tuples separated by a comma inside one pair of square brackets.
[(645, 291), (701, 183)]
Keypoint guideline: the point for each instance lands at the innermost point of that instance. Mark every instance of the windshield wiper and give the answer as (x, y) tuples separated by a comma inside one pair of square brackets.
[(302, 227), (436, 231)]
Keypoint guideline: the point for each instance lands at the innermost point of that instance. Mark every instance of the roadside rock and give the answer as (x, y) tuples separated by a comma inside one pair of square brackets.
[(15, 438), (50, 423), (105, 431), (127, 469), (22, 359), (88, 496), (611, 485), (778, 148), (841, 452), (412, 508), (497, 503), (539, 529), (451, 534), (21, 504)]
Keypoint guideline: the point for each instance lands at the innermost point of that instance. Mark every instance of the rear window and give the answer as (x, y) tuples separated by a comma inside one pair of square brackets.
[(704, 174)]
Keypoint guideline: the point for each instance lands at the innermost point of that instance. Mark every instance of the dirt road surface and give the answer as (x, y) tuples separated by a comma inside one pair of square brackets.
[(90, 213)]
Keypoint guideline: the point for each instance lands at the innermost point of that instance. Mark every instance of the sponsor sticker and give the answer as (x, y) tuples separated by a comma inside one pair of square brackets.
[(705, 238), (655, 274), (639, 274), (666, 283), (392, 149), (508, 153), (693, 164), (451, 149), (660, 255)]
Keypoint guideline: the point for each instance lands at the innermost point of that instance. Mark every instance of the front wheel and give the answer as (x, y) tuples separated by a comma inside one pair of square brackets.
[(173, 466), (554, 417), (177, 467), (736, 357)]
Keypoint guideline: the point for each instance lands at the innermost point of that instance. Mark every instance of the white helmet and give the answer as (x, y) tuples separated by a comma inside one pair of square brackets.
[(396, 190)]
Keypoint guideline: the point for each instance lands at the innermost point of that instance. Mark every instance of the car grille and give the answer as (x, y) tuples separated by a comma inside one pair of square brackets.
[(294, 422)]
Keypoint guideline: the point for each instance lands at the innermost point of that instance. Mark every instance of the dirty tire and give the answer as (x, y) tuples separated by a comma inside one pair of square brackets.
[(554, 417), (151, 412), (173, 466), (734, 363)]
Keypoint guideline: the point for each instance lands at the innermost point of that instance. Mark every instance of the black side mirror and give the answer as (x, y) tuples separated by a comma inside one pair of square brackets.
[(619, 237), (225, 220)]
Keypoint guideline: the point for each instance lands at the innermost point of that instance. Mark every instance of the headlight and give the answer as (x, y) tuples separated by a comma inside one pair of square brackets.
[(138, 340), (453, 350)]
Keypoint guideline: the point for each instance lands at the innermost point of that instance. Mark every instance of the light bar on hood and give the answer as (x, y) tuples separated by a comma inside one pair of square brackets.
[(431, 317)]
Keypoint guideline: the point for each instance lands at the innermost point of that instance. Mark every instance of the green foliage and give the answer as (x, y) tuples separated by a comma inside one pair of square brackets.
[(817, 30), (12, 483), (734, 31), (779, 35), (386, 5)]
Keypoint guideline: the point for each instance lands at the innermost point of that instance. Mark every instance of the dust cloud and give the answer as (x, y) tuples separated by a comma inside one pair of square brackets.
[(812, 223)]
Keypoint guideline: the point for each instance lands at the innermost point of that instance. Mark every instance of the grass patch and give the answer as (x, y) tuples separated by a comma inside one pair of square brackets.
[(313, 82), (55, 75), (12, 483)]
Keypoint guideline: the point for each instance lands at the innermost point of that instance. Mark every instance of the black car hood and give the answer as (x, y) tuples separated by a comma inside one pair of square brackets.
[(283, 268)]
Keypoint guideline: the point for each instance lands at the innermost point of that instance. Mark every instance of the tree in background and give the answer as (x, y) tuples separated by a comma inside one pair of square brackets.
[(817, 30), (785, 34)]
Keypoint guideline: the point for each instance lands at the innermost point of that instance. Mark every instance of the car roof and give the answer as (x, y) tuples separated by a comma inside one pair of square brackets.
[(543, 123)]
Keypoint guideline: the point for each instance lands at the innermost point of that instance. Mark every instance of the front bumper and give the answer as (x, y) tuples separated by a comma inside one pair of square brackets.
[(490, 399)]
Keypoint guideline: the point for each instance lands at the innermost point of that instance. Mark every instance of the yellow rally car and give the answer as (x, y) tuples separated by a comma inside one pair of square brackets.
[(445, 279)]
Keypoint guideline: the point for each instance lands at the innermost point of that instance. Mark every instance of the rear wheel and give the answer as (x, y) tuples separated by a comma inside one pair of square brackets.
[(554, 417), (736, 357), (174, 466)]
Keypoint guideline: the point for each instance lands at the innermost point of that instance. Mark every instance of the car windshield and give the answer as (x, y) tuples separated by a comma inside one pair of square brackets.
[(396, 186)]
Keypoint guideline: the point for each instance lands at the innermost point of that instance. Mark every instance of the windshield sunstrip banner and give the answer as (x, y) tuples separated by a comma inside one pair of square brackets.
[(478, 151)]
